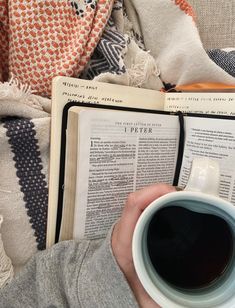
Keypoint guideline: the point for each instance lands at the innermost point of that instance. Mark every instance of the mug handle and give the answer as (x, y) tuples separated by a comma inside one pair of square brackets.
[(204, 176)]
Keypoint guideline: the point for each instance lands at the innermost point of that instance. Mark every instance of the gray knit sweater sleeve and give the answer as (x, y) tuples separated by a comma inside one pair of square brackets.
[(71, 274)]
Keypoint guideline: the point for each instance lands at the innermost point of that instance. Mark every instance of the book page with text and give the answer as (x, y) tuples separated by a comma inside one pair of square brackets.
[(213, 138), (205, 103), (66, 90), (119, 152)]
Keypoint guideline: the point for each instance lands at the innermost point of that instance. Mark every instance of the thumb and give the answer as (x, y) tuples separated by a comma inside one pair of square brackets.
[(135, 205)]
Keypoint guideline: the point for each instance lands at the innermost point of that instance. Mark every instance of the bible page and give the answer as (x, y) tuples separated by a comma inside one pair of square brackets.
[(67, 90), (213, 138), (119, 152)]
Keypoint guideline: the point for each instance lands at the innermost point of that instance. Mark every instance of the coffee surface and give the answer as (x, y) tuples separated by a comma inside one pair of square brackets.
[(189, 250)]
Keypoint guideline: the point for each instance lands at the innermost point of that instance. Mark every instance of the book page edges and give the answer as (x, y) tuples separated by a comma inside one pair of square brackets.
[(72, 144), (56, 114)]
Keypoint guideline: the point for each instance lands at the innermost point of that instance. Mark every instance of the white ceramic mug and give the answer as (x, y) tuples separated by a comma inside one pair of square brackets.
[(201, 196)]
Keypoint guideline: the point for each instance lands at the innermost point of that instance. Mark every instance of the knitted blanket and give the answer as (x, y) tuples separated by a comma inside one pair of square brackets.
[(24, 152), (43, 39), (38, 40), (157, 45), (151, 44)]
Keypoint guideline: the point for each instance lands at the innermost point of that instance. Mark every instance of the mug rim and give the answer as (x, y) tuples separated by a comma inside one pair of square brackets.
[(156, 293)]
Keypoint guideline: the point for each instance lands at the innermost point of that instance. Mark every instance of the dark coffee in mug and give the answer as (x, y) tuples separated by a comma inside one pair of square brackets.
[(189, 250)]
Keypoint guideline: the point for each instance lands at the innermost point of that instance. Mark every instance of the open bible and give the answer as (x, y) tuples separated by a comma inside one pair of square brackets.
[(114, 151), (109, 140)]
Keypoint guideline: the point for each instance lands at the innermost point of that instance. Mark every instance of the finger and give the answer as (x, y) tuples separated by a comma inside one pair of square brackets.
[(135, 205)]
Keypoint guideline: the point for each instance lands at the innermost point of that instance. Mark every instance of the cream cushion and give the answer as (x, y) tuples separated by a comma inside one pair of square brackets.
[(216, 22)]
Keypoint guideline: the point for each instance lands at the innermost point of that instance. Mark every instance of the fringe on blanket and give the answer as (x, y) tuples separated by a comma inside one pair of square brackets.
[(22, 93), (157, 50)]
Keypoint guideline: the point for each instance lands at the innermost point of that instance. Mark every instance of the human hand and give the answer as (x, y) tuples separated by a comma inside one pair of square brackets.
[(123, 233)]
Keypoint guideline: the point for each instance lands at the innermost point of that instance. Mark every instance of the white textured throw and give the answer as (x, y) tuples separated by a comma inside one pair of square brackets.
[(167, 32), (6, 268), (24, 145)]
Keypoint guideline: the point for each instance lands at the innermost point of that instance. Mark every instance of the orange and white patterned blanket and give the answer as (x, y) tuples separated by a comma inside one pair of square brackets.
[(43, 39)]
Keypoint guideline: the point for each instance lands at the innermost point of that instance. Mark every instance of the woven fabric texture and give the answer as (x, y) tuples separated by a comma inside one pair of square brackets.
[(216, 22)]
